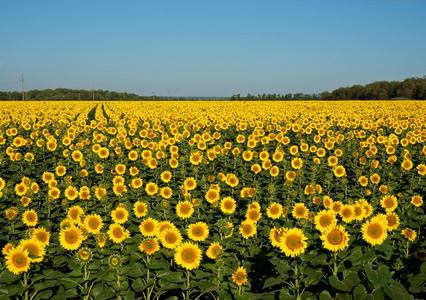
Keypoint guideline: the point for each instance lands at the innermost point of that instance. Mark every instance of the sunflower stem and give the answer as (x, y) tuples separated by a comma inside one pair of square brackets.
[(188, 283)]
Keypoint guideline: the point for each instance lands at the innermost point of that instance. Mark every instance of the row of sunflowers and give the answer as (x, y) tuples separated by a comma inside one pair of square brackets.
[(213, 200)]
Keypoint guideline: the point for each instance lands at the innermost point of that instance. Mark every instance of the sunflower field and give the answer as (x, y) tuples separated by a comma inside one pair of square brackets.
[(213, 200)]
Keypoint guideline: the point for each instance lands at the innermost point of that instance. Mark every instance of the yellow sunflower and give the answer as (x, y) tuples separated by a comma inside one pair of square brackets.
[(140, 209), (166, 176), (17, 260), (188, 256), (190, 183), (389, 202), (274, 211), (93, 223), (228, 205), (214, 250), (392, 221), (198, 232), (339, 171), (374, 231), (71, 193), (117, 233), (42, 235), (212, 195), (30, 218), (293, 242), (248, 229), (325, 219), (184, 209), (170, 238), (75, 213), (275, 235), (71, 238), (347, 213), (239, 277), (253, 215), (417, 200), (300, 211), (34, 248), (120, 215), (409, 234), (149, 246), (335, 238), (148, 227), (151, 188)]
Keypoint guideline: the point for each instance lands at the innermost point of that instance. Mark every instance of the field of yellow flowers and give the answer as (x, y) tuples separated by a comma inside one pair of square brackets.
[(213, 200)]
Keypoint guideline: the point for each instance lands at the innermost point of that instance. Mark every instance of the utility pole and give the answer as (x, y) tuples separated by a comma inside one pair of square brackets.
[(23, 95), (178, 94), (168, 95), (93, 94), (153, 94)]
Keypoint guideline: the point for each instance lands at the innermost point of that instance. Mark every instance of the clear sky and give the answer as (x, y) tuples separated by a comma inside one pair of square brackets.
[(210, 47)]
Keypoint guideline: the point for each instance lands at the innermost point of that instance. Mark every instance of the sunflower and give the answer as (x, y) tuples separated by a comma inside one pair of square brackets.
[(77, 155), (188, 256), (359, 212), (239, 277), (228, 205), (151, 188), (335, 238), (75, 213), (256, 168), (290, 175), (347, 213), (293, 242), (190, 183), (148, 227), (198, 232), (184, 209), (103, 152), (117, 233), (274, 171), (170, 238), (21, 189), (324, 219), (300, 211), (115, 261), (417, 200), (47, 177), (375, 178), (392, 221), (120, 169), (34, 248), (274, 211), (149, 246), (275, 235), (30, 218), (17, 260), (166, 192), (140, 209), (71, 238), (231, 180), (363, 180), (93, 223), (84, 193), (6, 249), (421, 169), (332, 161), (297, 163), (71, 193), (84, 255), (388, 202), (248, 229), (42, 235), (407, 165), (253, 215), (166, 176), (214, 250), (374, 231), (409, 234), (120, 215)]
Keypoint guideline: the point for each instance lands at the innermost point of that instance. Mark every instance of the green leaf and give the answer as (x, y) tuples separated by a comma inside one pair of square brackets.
[(325, 295), (174, 277), (8, 277), (319, 260), (138, 285), (68, 282), (271, 281), (396, 291), (385, 250), (347, 284), (44, 295), (359, 292), (44, 285), (314, 278), (99, 292), (285, 295), (378, 278), (207, 287)]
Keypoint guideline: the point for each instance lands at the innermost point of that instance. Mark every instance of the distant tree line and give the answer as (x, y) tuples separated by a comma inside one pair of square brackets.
[(71, 94), (411, 88)]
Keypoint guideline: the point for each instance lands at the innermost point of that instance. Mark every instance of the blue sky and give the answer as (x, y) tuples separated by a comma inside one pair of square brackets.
[(210, 48)]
